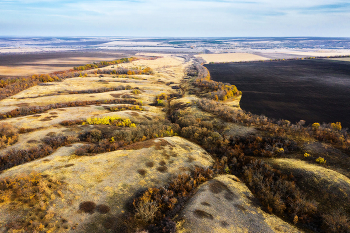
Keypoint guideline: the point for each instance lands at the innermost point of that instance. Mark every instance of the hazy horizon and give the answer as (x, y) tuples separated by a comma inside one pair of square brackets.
[(175, 18)]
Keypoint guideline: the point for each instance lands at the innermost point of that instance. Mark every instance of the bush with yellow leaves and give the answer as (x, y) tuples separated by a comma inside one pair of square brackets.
[(315, 126), (110, 120), (126, 107), (320, 160), (336, 126)]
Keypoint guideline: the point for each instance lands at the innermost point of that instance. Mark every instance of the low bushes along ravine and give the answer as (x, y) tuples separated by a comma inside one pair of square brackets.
[(126, 107), (104, 63), (330, 133), (127, 71), (16, 157), (23, 111), (111, 140), (109, 120), (100, 90), (215, 90)]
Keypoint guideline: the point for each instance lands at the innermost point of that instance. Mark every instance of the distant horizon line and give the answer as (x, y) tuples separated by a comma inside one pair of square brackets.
[(180, 37)]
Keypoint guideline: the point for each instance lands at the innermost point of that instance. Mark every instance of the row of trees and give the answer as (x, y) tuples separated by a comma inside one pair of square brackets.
[(104, 63), (216, 90)]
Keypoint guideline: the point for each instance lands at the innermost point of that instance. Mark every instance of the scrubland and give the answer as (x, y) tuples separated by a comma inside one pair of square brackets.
[(155, 145)]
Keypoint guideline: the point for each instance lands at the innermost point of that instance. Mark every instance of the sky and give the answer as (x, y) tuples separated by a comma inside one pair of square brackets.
[(175, 18)]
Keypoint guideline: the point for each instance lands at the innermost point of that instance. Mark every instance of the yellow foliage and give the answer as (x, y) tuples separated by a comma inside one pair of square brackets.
[(336, 126), (320, 160), (306, 155), (136, 91), (110, 120), (315, 125), (280, 150), (126, 107)]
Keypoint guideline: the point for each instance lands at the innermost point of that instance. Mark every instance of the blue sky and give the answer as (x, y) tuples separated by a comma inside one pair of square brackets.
[(175, 18)]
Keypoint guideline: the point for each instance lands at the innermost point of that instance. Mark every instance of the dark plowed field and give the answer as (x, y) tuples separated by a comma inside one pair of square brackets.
[(311, 90)]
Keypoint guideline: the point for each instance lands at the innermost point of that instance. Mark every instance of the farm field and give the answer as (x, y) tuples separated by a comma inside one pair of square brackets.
[(310, 90), (22, 64)]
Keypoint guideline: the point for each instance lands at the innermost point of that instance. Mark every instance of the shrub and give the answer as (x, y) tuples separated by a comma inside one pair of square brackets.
[(104, 89), (315, 126), (59, 141), (136, 91), (264, 146), (126, 107), (37, 109), (104, 63), (96, 135), (336, 222), (336, 126), (320, 160), (8, 135), (277, 193), (126, 71), (87, 207), (126, 136), (110, 120), (71, 122), (146, 210), (216, 90), (159, 205)]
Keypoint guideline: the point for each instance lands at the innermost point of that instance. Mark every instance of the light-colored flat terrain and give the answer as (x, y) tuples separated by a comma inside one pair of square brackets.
[(129, 43), (306, 52), (230, 57), (320, 53), (340, 59), (5, 50)]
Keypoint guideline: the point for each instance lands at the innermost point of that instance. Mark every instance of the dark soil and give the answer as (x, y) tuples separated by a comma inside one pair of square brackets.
[(32, 58), (311, 90)]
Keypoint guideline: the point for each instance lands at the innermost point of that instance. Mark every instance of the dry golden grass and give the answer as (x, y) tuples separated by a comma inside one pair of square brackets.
[(109, 178)]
